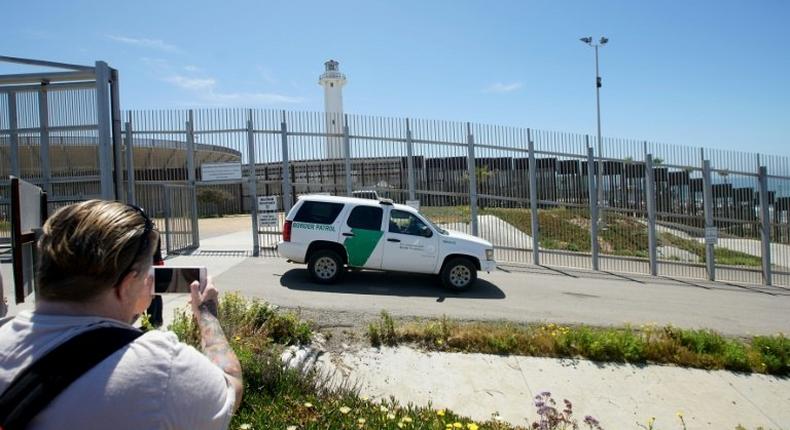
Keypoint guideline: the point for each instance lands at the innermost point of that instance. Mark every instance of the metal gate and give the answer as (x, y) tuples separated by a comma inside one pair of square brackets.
[(59, 130), (62, 131)]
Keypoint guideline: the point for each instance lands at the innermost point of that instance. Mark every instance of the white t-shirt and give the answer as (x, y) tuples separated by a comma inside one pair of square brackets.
[(155, 382)]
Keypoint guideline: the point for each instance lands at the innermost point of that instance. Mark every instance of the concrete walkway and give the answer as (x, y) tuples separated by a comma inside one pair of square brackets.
[(619, 396)]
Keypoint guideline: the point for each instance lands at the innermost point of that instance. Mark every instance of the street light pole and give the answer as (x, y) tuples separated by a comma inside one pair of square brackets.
[(601, 42)]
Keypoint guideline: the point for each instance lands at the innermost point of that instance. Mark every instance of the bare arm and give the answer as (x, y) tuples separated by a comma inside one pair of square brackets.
[(215, 345)]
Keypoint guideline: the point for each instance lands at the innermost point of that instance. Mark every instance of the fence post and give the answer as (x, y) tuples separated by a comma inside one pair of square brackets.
[(191, 177), (765, 222), (104, 130), (707, 200), (533, 199), (347, 155), (287, 188), (470, 143), (131, 197), (115, 121), (168, 215), (252, 185), (13, 134), (651, 213), (43, 123), (410, 162), (591, 182)]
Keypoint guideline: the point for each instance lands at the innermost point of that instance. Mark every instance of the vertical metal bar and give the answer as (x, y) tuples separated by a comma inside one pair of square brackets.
[(533, 199), (707, 200), (104, 130), (168, 214), (410, 162), (470, 141), (765, 221), (651, 213), (43, 122), (591, 183), (115, 116), (252, 182), (191, 177), (347, 155), (13, 134), (287, 189), (130, 186)]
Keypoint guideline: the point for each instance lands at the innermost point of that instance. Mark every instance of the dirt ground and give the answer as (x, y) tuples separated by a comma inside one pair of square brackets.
[(213, 227)]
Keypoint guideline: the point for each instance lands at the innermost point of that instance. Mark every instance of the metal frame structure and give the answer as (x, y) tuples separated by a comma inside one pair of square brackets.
[(102, 80)]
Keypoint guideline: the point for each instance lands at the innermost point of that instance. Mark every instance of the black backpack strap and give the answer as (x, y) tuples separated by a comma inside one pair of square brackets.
[(36, 386)]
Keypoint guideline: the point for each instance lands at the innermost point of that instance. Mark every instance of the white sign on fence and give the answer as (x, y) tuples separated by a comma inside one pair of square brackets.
[(413, 203), (268, 203), (268, 219), (711, 235), (221, 171)]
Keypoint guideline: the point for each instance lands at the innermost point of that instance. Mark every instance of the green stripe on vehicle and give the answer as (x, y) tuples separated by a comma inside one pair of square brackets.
[(361, 245)]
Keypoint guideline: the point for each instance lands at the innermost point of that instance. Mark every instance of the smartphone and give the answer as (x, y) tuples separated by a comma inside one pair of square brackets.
[(178, 279)]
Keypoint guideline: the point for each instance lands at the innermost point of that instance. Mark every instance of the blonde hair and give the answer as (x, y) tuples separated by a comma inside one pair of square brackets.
[(86, 247)]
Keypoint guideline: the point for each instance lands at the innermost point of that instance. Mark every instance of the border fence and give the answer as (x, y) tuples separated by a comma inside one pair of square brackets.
[(541, 197)]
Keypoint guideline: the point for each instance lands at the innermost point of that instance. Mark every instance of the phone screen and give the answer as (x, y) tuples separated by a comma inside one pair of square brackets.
[(178, 279)]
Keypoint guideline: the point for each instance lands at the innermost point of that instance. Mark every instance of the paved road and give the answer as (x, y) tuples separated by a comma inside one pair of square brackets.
[(525, 294)]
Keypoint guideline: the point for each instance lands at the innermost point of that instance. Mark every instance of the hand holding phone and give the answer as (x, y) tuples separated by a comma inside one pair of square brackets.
[(207, 297)]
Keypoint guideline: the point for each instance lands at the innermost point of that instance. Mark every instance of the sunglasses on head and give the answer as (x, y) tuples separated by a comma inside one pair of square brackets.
[(144, 239)]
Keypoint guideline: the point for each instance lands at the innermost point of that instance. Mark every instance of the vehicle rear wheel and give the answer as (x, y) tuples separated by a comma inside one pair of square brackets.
[(325, 266), (459, 274)]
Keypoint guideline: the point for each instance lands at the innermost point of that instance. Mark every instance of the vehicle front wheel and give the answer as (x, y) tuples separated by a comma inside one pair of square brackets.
[(459, 274), (325, 266)]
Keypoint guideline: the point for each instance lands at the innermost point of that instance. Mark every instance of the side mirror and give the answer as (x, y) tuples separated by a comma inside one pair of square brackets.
[(425, 231)]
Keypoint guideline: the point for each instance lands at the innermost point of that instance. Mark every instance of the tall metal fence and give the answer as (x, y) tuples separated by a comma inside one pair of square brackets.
[(540, 197)]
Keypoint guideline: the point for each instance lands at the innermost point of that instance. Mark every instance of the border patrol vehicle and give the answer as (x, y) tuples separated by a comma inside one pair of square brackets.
[(331, 233)]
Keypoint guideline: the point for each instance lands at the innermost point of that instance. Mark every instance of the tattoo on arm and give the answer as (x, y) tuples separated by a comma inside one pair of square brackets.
[(217, 349)]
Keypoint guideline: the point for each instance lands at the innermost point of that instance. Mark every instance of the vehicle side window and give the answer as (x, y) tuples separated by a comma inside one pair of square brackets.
[(405, 223), (366, 217), (318, 212)]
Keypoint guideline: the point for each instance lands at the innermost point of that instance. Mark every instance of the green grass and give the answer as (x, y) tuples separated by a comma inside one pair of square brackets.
[(704, 349), (280, 398), (5, 225), (722, 255)]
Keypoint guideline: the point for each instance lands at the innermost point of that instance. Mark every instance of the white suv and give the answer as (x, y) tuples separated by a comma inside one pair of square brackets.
[(329, 233)]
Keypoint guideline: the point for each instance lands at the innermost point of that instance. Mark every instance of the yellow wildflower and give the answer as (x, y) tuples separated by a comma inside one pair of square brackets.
[(361, 421), (458, 425), (245, 426), (383, 409), (406, 419), (440, 412), (344, 410), (679, 414), (400, 425), (308, 405), (391, 416), (471, 426)]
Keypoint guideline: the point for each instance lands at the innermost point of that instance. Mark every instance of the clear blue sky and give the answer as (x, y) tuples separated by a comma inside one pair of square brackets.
[(702, 73)]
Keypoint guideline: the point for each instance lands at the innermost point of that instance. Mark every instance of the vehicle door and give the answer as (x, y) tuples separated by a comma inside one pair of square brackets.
[(410, 245), (361, 235)]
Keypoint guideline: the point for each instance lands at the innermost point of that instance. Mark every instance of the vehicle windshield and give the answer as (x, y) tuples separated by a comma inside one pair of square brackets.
[(433, 224)]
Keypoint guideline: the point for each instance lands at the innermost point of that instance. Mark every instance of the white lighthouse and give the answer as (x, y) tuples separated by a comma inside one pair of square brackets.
[(332, 81)]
